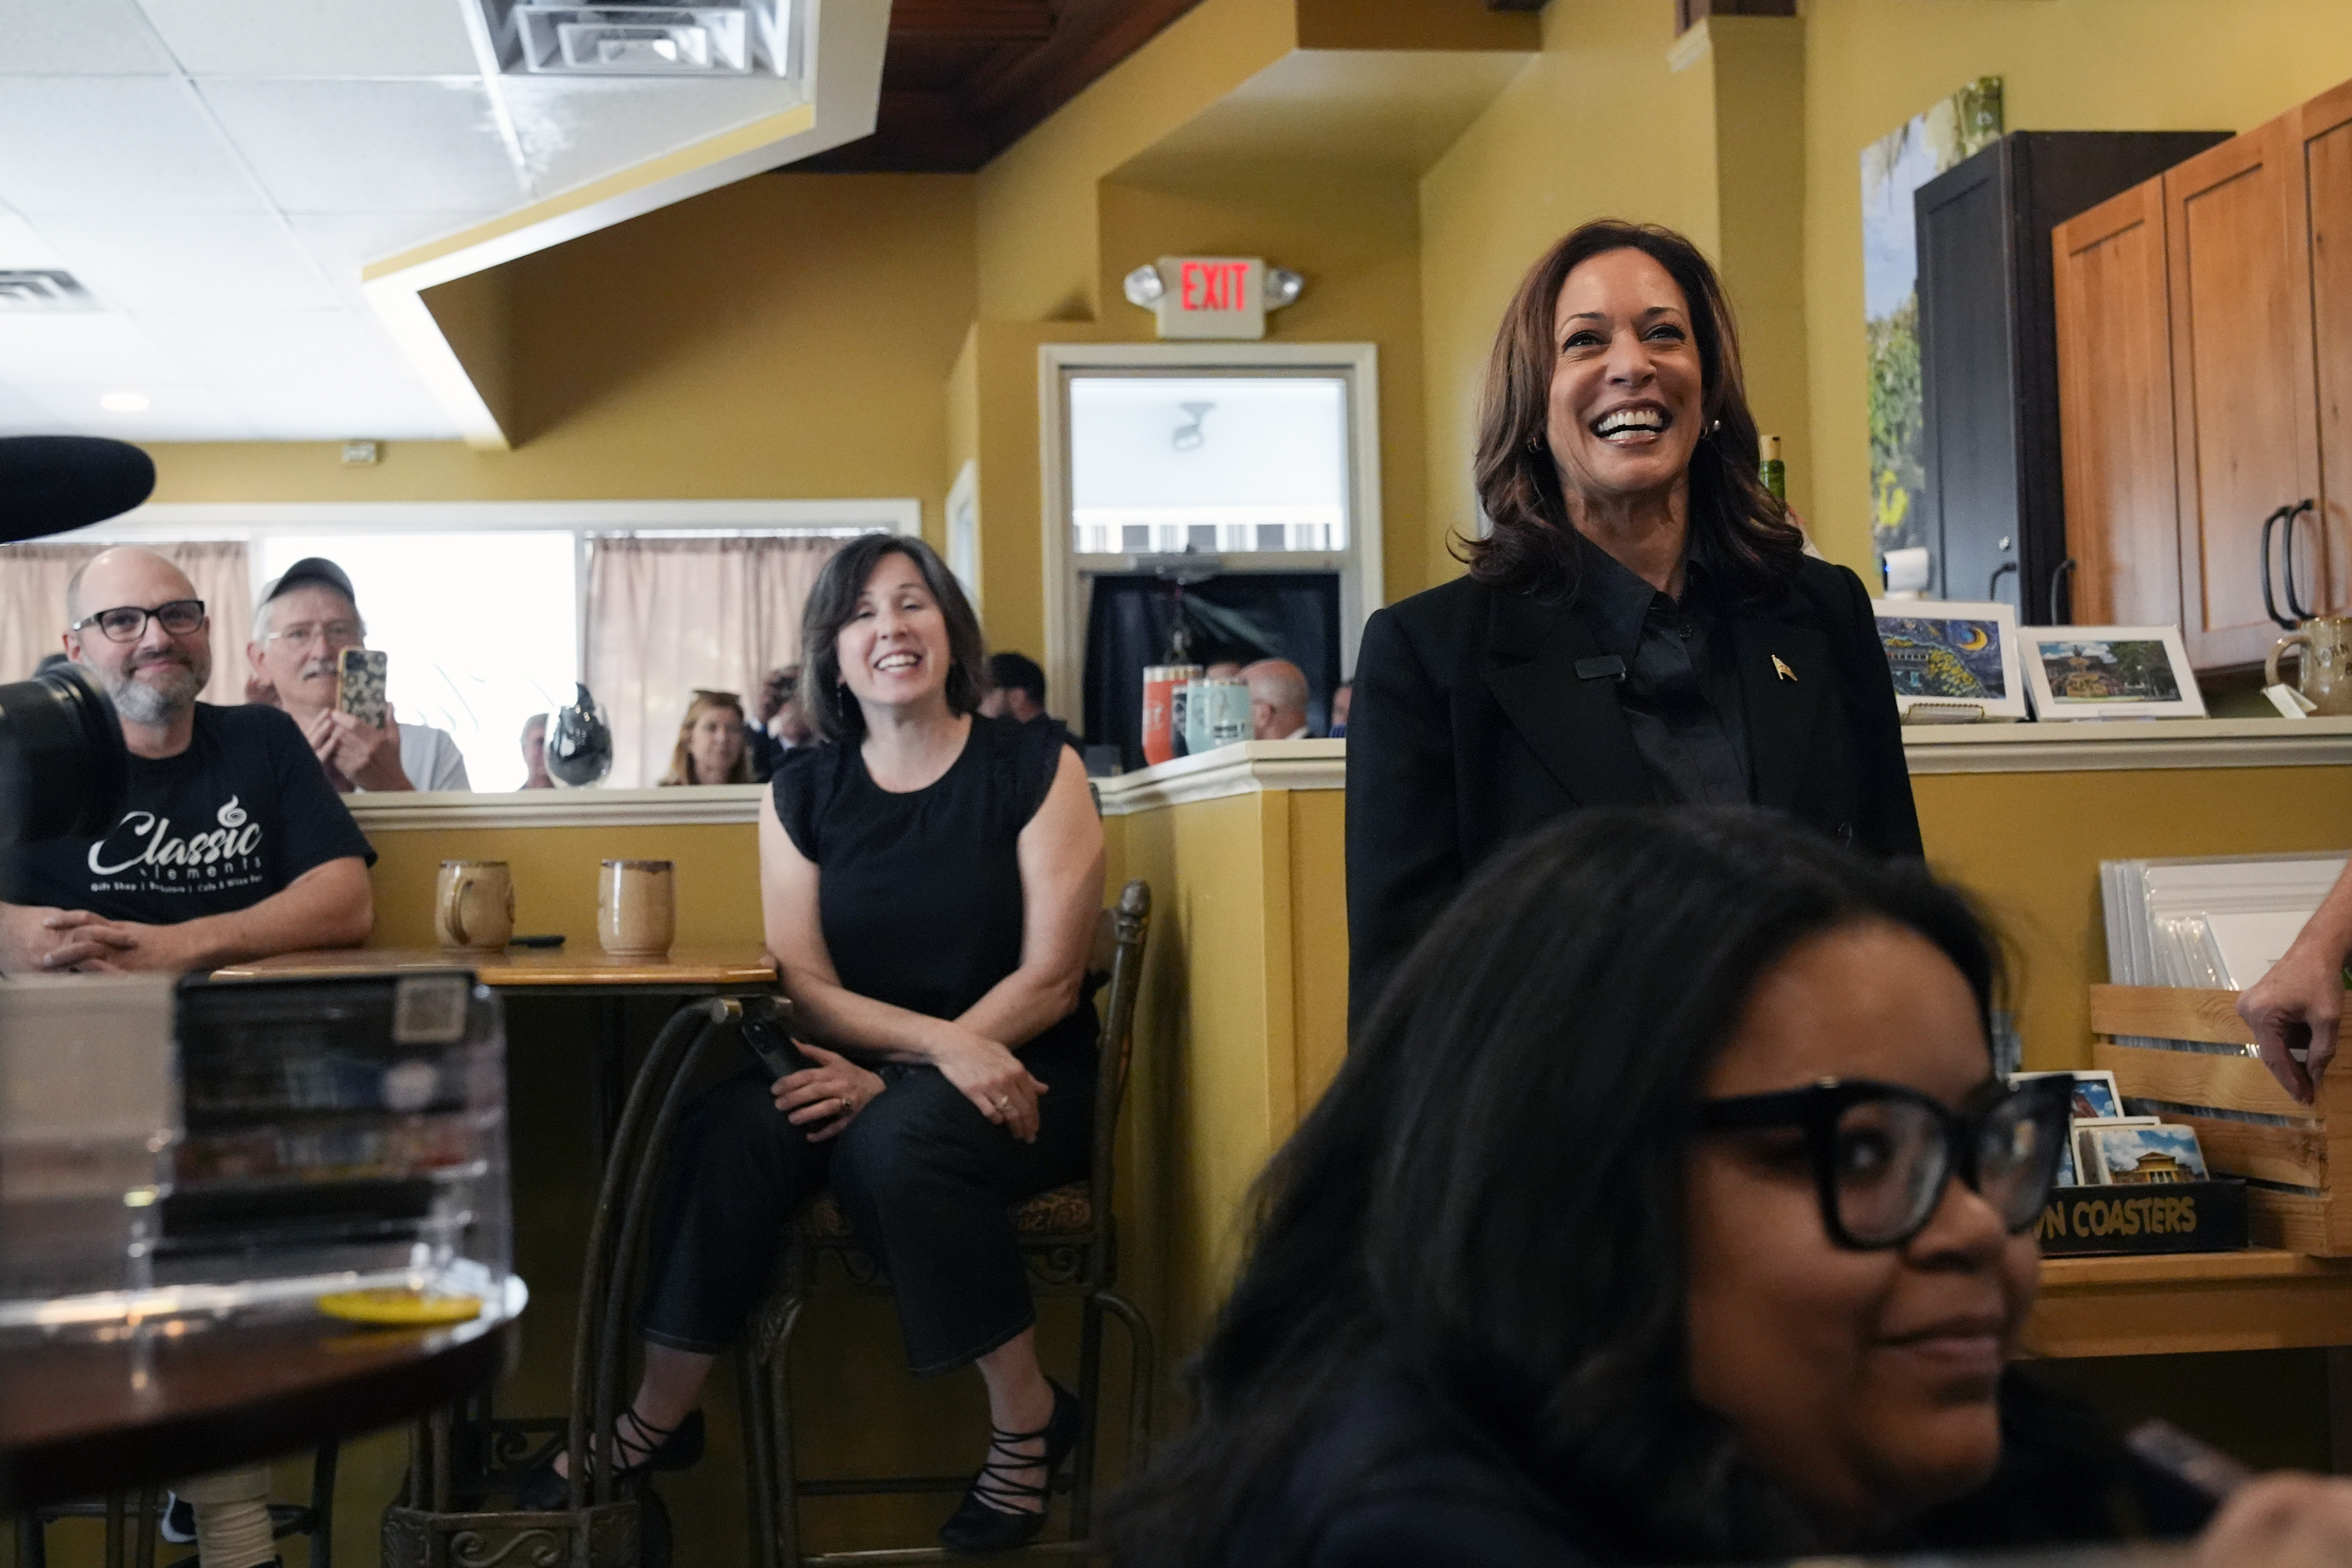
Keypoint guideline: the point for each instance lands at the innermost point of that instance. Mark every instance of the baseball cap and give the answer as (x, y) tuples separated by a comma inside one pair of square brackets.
[(313, 569)]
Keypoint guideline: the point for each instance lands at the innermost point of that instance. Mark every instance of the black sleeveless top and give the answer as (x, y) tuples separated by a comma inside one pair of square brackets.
[(918, 895)]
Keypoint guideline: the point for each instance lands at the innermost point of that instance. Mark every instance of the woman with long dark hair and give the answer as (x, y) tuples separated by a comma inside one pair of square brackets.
[(1667, 1210), (1642, 625), (930, 879)]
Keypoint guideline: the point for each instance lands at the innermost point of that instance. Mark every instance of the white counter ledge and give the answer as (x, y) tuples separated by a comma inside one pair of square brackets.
[(2093, 746), (2097, 746)]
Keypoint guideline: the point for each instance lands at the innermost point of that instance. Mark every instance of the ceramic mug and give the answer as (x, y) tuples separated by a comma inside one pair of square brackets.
[(636, 908), (474, 910), (1161, 683), (2325, 653), (1229, 711)]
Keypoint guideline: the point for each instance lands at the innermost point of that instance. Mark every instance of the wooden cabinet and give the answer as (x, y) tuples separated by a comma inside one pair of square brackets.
[(1995, 516), (2115, 404), (2205, 354)]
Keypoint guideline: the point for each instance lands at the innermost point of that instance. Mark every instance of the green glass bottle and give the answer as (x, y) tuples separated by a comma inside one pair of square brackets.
[(1776, 472)]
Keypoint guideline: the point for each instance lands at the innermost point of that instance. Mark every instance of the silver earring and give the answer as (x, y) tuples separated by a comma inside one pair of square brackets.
[(1534, 443)]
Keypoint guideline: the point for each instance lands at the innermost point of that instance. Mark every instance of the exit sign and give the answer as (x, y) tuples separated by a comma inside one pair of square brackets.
[(1212, 297)]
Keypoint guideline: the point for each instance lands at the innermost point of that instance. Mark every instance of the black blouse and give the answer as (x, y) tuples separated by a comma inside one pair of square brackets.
[(918, 894)]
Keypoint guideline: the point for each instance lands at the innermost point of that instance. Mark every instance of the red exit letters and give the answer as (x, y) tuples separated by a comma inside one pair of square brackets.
[(1212, 286)]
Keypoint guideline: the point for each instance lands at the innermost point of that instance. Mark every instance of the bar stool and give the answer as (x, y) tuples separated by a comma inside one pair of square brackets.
[(458, 1462), (133, 1525), (1067, 1238)]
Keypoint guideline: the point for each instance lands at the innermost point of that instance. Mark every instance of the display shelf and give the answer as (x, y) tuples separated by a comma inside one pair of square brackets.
[(2158, 1042)]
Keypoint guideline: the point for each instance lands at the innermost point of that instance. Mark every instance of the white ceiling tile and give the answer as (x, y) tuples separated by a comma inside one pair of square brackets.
[(315, 37), (357, 410), (84, 349), (172, 414), (369, 146), (325, 348), (577, 129), (344, 243), (21, 415), (21, 245), (192, 262), (115, 144), (86, 37)]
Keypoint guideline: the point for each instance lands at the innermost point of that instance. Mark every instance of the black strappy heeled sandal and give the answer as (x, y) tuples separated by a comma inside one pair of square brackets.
[(643, 1447), (981, 1524)]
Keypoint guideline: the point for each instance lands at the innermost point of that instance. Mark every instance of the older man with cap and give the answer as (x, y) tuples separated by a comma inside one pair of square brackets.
[(232, 846), (304, 622)]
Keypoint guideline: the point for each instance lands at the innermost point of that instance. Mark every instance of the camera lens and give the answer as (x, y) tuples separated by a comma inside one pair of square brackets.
[(63, 767)]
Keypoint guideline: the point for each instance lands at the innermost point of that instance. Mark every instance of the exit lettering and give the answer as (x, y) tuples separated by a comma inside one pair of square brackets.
[(1212, 286)]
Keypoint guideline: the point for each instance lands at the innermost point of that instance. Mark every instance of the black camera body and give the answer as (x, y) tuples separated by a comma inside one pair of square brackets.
[(64, 770)]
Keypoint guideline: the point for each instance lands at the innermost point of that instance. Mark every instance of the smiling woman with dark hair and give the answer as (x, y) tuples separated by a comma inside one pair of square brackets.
[(1667, 1210), (1642, 625)]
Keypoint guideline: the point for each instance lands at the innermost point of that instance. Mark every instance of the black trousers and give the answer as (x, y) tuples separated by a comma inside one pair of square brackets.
[(925, 1178)]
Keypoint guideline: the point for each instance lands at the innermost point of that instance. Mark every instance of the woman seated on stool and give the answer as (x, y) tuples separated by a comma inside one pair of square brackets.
[(930, 880), (1668, 1211), (711, 745)]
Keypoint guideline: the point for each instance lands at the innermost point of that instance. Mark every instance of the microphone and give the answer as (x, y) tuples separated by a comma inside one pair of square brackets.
[(51, 483)]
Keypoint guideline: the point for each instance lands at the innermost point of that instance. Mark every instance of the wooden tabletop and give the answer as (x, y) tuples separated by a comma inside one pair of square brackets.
[(527, 966), (77, 1418), (2167, 1303)]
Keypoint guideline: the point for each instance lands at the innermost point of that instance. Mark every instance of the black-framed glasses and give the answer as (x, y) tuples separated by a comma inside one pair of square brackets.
[(127, 623), (1881, 1153)]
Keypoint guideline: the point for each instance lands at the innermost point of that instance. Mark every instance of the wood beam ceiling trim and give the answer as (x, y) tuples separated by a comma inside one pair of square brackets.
[(972, 21)]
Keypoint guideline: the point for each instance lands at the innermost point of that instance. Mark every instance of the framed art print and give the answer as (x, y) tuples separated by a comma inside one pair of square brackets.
[(2110, 672), (1953, 662)]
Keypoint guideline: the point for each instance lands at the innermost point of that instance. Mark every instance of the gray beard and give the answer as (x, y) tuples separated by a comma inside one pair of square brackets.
[(153, 704)]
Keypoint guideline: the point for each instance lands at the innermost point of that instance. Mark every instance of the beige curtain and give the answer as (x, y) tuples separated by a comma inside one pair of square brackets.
[(33, 604), (667, 615)]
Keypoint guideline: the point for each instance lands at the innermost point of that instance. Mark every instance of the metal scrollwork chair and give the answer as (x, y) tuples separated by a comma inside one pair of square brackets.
[(457, 1462), (1067, 1240)]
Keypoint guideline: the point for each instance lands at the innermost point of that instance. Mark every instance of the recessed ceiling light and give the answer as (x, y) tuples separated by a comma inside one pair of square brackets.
[(124, 402)]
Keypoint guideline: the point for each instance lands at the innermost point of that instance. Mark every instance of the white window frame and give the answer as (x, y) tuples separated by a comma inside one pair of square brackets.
[(585, 520), (1066, 572)]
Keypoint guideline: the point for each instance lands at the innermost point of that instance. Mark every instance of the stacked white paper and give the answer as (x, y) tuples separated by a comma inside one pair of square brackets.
[(2216, 922)]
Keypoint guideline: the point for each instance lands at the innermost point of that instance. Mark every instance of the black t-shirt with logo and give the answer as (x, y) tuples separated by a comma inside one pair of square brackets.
[(243, 811)]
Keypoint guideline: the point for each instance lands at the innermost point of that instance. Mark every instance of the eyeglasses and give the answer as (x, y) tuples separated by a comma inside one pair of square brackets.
[(339, 634), (127, 623), (1881, 1153)]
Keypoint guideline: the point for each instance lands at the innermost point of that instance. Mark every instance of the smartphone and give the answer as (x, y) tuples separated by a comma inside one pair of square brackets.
[(362, 695)]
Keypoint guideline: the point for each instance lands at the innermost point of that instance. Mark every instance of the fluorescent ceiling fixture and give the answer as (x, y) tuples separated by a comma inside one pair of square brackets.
[(124, 402), (652, 37)]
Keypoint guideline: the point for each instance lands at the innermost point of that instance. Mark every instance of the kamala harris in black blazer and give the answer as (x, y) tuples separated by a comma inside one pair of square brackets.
[(1643, 625)]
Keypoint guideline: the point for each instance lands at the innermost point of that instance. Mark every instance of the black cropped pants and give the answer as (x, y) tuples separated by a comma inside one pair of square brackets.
[(925, 1180)]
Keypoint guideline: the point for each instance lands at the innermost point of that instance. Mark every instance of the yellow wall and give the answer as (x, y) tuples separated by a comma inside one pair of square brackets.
[(555, 871), (788, 336)]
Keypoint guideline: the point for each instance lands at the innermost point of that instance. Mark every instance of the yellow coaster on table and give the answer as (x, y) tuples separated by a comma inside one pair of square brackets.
[(398, 1306)]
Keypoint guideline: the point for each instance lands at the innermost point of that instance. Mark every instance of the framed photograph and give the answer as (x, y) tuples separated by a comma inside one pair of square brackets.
[(2088, 1172), (2110, 672), (2094, 1091), (1953, 662), (2138, 1156)]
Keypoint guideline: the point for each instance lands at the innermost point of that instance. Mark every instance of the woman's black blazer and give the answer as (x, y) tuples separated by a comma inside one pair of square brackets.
[(1472, 725)]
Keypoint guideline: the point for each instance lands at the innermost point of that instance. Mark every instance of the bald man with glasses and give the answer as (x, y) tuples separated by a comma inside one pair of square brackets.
[(232, 846)]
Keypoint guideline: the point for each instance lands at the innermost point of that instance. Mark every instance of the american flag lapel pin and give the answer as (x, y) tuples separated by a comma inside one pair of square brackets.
[(1781, 669)]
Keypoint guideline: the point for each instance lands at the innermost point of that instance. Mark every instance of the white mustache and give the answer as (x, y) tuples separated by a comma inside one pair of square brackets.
[(313, 669)]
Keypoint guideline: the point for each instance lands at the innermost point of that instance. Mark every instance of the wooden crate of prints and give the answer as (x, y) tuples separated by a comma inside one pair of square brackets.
[(2185, 1052)]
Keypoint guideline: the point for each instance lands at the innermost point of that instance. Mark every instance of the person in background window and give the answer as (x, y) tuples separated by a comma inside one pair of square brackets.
[(1223, 669), (1339, 700), (710, 746), (1667, 1210), (1278, 690), (534, 754), (779, 710), (304, 622), (1020, 690)]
